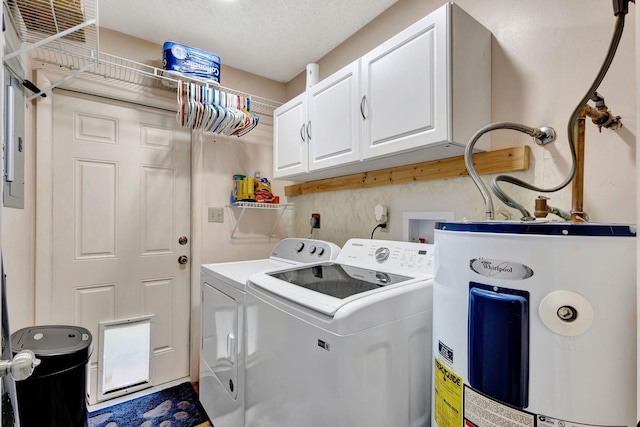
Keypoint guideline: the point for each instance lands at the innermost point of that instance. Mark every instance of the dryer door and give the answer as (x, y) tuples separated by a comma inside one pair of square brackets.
[(220, 336)]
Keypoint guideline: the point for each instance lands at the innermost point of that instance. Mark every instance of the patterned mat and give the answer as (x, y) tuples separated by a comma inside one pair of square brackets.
[(177, 406)]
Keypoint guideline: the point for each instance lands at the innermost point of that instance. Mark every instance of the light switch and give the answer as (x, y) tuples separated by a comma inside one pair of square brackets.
[(216, 214)]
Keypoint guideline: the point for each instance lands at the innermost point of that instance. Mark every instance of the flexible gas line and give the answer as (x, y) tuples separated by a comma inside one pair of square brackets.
[(543, 135)]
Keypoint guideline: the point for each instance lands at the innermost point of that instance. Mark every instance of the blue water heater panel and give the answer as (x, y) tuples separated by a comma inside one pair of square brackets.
[(498, 347)]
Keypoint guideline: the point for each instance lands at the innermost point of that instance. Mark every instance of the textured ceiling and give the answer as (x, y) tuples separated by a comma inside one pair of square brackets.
[(270, 38)]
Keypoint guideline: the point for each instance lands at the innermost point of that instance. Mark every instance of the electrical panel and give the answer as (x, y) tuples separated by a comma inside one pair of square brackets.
[(14, 141)]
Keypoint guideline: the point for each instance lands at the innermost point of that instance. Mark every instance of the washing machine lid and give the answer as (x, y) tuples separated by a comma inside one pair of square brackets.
[(329, 286), (287, 252), (237, 273)]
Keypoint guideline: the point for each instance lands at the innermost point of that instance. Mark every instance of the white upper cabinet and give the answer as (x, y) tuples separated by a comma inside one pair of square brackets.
[(419, 96), (333, 129), (320, 128), (290, 149), (404, 87), (427, 87)]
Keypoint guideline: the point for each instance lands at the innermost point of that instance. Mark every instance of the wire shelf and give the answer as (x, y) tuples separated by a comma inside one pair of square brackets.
[(64, 34), (107, 66), (255, 205)]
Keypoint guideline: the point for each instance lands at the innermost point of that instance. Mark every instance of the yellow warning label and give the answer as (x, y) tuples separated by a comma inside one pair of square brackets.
[(447, 396)]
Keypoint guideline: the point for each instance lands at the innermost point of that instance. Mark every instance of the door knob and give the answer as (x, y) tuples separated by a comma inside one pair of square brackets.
[(183, 240), (21, 367), (182, 259)]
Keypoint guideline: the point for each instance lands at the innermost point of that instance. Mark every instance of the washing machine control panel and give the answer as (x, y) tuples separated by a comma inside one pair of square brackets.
[(305, 250), (391, 255)]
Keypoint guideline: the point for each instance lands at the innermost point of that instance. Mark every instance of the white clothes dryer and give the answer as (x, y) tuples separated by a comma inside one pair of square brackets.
[(222, 314), (344, 343)]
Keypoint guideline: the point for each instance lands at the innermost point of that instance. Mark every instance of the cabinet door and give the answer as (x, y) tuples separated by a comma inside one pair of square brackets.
[(290, 149), (334, 119), (406, 89)]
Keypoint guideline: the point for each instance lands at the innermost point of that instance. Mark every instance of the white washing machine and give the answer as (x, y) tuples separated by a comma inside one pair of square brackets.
[(222, 337), (344, 343)]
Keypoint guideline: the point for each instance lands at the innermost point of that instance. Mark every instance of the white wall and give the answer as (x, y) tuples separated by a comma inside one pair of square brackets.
[(222, 158), (545, 55)]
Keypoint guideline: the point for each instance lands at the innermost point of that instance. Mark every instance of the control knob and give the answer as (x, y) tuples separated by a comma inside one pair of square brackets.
[(382, 254)]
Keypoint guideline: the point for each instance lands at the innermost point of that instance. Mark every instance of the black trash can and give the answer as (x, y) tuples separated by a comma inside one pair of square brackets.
[(55, 395)]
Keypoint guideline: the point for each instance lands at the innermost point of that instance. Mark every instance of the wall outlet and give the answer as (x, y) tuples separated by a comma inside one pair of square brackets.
[(317, 216), (216, 214)]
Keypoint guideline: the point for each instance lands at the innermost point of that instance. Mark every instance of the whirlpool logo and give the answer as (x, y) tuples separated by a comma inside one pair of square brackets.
[(500, 269)]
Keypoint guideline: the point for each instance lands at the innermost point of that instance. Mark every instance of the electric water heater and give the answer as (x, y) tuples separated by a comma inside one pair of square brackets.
[(534, 325)]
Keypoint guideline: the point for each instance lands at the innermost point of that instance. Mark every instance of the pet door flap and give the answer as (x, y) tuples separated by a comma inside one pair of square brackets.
[(125, 362)]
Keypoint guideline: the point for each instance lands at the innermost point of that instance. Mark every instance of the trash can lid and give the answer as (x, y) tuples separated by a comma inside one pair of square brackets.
[(58, 347), (53, 340)]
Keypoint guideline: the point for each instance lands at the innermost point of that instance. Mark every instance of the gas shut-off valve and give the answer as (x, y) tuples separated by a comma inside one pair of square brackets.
[(542, 209)]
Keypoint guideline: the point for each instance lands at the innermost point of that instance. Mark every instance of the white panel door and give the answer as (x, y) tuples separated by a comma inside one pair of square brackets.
[(334, 119), (290, 138), (406, 89), (121, 200)]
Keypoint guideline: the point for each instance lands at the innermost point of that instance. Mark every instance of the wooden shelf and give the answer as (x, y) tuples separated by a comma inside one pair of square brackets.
[(506, 160)]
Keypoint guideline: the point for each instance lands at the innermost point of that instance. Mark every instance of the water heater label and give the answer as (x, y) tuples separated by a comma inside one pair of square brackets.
[(481, 411), (447, 396), (446, 352), (500, 269)]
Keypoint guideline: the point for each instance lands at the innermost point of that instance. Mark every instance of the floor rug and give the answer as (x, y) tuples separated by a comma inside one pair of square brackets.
[(177, 406)]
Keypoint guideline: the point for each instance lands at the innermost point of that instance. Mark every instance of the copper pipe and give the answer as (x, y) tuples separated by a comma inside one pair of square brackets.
[(577, 189), (602, 117), (598, 116)]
